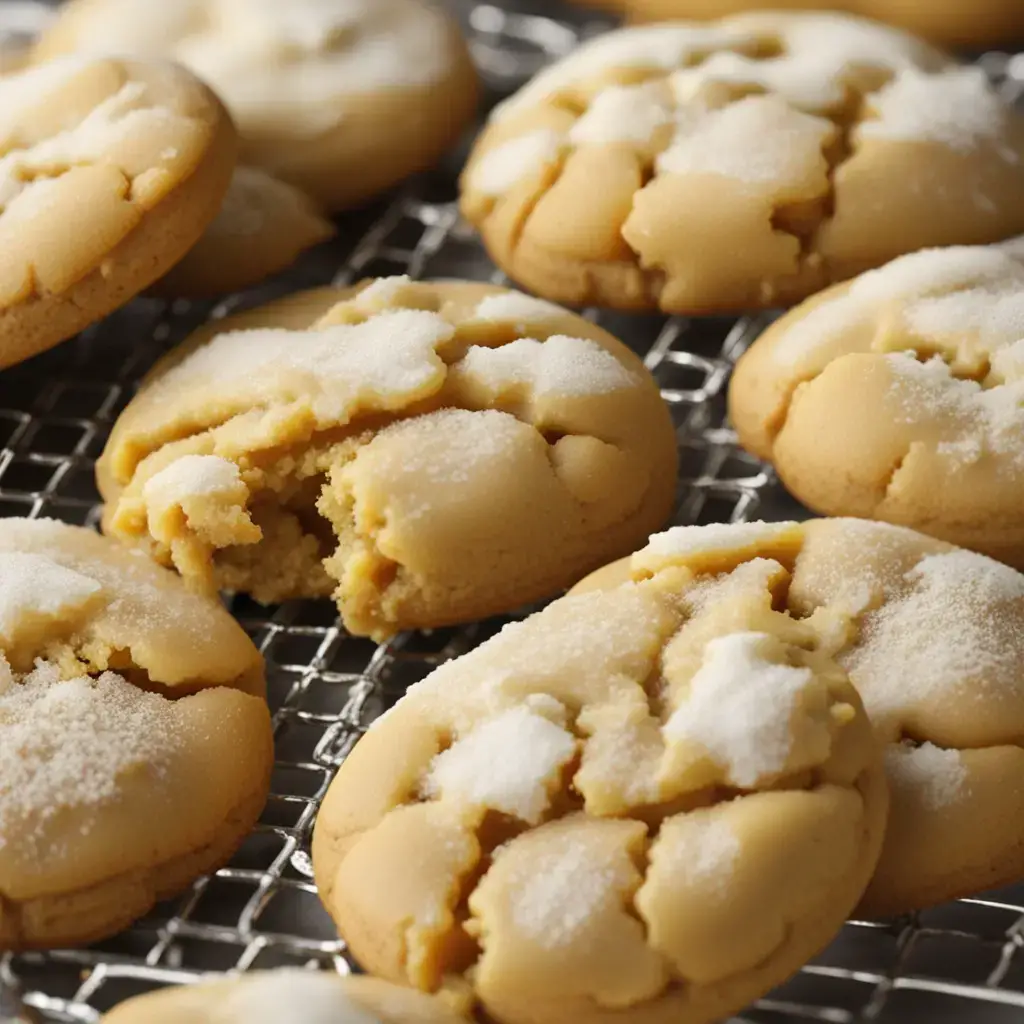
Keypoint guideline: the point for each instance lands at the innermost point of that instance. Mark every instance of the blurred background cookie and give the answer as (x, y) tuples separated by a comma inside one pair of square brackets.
[(342, 100), (651, 803), (292, 996), (261, 228), (932, 637), (900, 396), (111, 172), (952, 22), (746, 162), (135, 744), (429, 452)]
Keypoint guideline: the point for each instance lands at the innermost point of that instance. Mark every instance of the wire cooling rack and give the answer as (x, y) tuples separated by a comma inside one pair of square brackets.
[(959, 963)]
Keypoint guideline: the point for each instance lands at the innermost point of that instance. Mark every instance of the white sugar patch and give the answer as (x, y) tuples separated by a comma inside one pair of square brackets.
[(699, 540), (503, 167), (66, 745), (294, 995), (559, 366), (34, 86), (515, 306), (509, 764), (956, 107), (700, 850), (383, 291), (757, 139), (1008, 362), (189, 476), (954, 632), (740, 707), (33, 587), (622, 114), (933, 776)]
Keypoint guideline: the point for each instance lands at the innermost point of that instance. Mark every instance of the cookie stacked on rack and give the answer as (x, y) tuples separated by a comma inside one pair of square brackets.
[(658, 796)]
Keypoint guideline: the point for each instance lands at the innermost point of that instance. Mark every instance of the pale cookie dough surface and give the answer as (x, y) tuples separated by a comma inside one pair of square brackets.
[(900, 397), (951, 22), (135, 744), (110, 171), (343, 98), (740, 163), (262, 227), (286, 997), (649, 804), (431, 453), (932, 637)]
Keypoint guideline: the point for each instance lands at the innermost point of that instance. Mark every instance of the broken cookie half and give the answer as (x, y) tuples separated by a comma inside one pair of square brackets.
[(428, 453)]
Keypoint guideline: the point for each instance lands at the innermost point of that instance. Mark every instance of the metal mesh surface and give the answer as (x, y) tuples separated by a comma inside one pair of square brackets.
[(962, 962)]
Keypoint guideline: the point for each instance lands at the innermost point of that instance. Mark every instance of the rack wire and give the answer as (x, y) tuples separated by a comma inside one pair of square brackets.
[(961, 962)]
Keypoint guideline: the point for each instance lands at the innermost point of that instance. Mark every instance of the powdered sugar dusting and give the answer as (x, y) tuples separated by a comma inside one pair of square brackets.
[(622, 114), (32, 587), (757, 139), (191, 475), (935, 777), (517, 307), (739, 708), (499, 170), (510, 763), (559, 366), (298, 996), (66, 743), (700, 849), (956, 107), (697, 540), (955, 632)]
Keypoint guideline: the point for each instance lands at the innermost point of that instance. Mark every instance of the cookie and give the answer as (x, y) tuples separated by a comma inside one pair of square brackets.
[(295, 996), (743, 163), (932, 637), (951, 22), (429, 452), (343, 100), (261, 229), (111, 170), (900, 397), (135, 743), (648, 804)]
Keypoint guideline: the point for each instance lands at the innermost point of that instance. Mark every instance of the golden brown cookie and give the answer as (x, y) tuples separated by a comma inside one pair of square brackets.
[(747, 162), (951, 22), (649, 804), (286, 997), (932, 636), (135, 744), (341, 99), (431, 453), (262, 227), (110, 171), (900, 396)]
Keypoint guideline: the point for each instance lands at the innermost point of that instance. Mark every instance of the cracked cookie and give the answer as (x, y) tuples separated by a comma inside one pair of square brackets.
[(135, 744), (951, 22), (648, 804), (743, 163), (293, 995), (900, 396), (261, 228), (429, 452), (342, 100), (110, 171), (932, 637)]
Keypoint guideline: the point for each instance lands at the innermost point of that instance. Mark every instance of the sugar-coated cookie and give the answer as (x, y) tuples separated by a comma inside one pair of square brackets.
[(343, 98), (952, 22), (286, 996), (649, 804), (135, 744), (741, 163), (932, 637), (430, 452), (262, 227), (900, 396), (110, 171)]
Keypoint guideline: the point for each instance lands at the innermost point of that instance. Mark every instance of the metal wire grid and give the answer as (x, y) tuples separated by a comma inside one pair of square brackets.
[(963, 962)]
